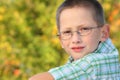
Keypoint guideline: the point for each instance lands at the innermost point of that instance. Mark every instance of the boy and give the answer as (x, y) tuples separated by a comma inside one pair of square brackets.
[(85, 37)]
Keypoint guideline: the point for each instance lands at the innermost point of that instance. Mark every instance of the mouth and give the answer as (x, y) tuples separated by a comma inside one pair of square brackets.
[(77, 49)]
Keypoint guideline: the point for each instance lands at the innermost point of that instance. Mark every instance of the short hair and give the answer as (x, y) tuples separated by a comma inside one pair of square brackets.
[(98, 13)]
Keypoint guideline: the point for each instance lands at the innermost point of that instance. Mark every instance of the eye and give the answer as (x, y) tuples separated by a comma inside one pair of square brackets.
[(66, 32), (85, 28)]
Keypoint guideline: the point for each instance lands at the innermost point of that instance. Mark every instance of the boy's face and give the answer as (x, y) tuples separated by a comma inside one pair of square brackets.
[(72, 20)]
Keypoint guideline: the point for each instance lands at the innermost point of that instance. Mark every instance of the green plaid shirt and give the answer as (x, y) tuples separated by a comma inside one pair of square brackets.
[(102, 64)]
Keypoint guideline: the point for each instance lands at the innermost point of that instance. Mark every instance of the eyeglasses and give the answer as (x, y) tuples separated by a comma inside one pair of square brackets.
[(81, 31)]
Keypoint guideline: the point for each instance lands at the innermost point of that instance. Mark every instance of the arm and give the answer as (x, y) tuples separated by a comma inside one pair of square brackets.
[(78, 70), (42, 76)]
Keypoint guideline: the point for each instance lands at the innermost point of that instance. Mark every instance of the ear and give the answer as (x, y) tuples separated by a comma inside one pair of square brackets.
[(61, 42), (105, 32)]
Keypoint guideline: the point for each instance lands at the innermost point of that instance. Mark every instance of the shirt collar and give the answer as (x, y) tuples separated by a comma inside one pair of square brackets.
[(105, 47)]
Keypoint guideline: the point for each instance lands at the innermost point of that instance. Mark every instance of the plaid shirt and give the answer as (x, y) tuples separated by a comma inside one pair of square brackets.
[(102, 64)]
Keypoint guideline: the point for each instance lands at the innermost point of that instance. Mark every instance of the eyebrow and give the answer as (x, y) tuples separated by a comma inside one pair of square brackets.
[(78, 26), (70, 28), (83, 25)]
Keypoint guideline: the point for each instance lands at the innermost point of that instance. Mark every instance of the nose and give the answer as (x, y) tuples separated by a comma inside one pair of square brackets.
[(76, 38)]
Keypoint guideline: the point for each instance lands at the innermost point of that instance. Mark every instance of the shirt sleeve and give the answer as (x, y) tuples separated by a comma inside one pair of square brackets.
[(79, 70)]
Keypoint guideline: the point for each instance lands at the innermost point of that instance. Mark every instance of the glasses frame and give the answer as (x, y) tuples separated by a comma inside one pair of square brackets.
[(90, 30)]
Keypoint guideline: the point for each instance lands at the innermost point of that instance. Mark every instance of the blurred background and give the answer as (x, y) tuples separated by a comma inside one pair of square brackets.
[(28, 42)]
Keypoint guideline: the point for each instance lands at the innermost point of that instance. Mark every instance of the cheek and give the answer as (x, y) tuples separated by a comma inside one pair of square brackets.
[(91, 45), (65, 44), (96, 36), (93, 41)]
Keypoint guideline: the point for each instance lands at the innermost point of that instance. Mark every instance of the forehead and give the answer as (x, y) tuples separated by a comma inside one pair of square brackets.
[(76, 16)]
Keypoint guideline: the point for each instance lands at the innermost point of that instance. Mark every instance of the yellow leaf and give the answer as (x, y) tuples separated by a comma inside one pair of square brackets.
[(2, 10), (1, 17)]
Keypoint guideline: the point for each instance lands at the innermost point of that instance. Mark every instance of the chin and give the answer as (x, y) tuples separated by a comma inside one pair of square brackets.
[(77, 57)]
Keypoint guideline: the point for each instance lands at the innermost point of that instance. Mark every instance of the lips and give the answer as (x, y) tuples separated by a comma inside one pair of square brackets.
[(77, 49)]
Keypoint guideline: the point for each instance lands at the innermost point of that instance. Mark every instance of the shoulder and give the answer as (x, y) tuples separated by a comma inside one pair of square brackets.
[(78, 70), (86, 67), (102, 58)]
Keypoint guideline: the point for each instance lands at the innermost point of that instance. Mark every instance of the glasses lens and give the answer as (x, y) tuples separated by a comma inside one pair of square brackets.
[(66, 34), (82, 32)]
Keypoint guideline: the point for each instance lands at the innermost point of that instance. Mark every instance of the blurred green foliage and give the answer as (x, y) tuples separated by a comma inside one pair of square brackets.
[(28, 42)]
